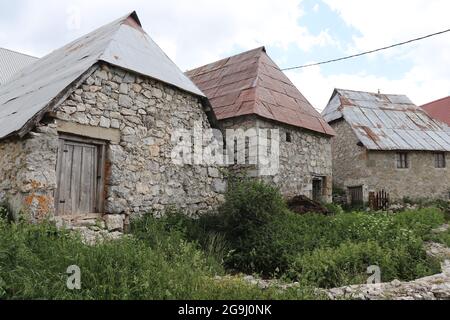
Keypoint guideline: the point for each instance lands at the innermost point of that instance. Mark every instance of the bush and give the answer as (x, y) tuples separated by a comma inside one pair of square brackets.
[(249, 204), (335, 209), (348, 263), (245, 222)]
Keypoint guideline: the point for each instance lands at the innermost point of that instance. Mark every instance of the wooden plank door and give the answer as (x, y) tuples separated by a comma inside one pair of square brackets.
[(78, 178), (356, 196)]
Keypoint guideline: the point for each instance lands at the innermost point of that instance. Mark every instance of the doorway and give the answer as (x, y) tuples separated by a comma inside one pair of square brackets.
[(317, 189), (80, 176), (356, 196)]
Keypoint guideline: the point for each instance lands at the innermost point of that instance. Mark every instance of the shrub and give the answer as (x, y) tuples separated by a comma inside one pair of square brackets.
[(335, 209), (348, 263), (249, 204), (421, 221), (245, 221)]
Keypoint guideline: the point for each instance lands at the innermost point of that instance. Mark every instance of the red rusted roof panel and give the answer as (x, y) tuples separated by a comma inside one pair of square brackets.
[(439, 109), (251, 83)]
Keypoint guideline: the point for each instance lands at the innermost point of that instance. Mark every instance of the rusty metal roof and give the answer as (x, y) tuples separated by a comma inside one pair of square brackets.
[(122, 43), (388, 122), (251, 83), (12, 62), (439, 109)]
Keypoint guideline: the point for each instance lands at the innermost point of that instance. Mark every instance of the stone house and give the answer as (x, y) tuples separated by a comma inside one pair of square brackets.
[(87, 130), (12, 62), (385, 142), (439, 109), (250, 92)]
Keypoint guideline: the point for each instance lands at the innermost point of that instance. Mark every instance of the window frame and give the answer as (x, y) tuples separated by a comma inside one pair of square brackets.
[(440, 161), (288, 137), (402, 160)]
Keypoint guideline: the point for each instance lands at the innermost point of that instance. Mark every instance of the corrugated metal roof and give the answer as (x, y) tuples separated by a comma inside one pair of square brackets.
[(12, 62), (122, 43), (251, 83), (388, 122), (439, 109)]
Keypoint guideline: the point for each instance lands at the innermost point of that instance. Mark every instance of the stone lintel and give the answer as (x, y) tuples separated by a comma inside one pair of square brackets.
[(112, 135)]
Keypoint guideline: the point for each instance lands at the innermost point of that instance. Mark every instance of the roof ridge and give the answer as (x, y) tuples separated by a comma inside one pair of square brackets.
[(370, 92), (258, 69), (262, 48)]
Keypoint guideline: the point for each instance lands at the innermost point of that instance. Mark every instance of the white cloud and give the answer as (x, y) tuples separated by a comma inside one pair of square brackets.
[(197, 32), (417, 84), (192, 32), (381, 23)]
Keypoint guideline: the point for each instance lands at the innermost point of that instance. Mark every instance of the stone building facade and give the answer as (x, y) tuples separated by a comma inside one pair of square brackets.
[(91, 131), (386, 143), (303, 160), (136, 117), (356, 166), (249, 92)]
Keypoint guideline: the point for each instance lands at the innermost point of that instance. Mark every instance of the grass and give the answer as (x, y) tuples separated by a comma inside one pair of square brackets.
[(34, 260), (177, 257)]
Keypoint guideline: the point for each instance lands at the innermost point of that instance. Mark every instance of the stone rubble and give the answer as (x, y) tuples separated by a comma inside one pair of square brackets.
[(435, 287), (92, 229)]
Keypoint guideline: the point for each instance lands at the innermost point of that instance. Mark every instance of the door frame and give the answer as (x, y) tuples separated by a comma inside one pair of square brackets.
[(101, 167), (322, 181)]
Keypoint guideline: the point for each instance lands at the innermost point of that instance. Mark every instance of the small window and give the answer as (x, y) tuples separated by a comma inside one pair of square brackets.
[(439, 160), (402, 160), (288, 137)]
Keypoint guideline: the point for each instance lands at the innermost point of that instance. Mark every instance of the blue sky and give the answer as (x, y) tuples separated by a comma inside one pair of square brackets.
[(294, 32)]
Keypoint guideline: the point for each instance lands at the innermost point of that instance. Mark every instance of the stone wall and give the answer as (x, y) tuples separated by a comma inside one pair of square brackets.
[(141, 175), (375, 170), (308, 155), (27, 172)]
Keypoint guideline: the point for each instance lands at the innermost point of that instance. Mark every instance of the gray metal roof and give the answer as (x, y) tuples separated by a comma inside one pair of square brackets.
[(388, 122), (12, 62), (122, 43)]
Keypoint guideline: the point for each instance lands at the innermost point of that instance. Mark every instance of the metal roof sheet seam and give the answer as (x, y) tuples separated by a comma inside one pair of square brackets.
[(387, 122), (12, 62)]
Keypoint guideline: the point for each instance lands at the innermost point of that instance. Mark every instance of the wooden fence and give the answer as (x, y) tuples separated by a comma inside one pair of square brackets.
[(379, 200)]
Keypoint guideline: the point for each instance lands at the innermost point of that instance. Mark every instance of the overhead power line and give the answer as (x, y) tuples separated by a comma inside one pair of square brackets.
[(368, 52)]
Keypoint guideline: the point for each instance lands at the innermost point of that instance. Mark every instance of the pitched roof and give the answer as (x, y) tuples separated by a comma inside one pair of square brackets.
[(251, 83), (388, 122), (122, 43), (12, 62), (439, 109)]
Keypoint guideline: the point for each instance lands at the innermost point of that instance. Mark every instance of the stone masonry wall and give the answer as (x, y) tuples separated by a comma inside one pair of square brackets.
[(375, 170), (307, 155), (141, 175), (27, 178)]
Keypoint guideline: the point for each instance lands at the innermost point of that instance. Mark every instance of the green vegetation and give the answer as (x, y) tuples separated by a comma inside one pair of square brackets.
[(325, 251), (155, 265), (177, 257), (443, 238)]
